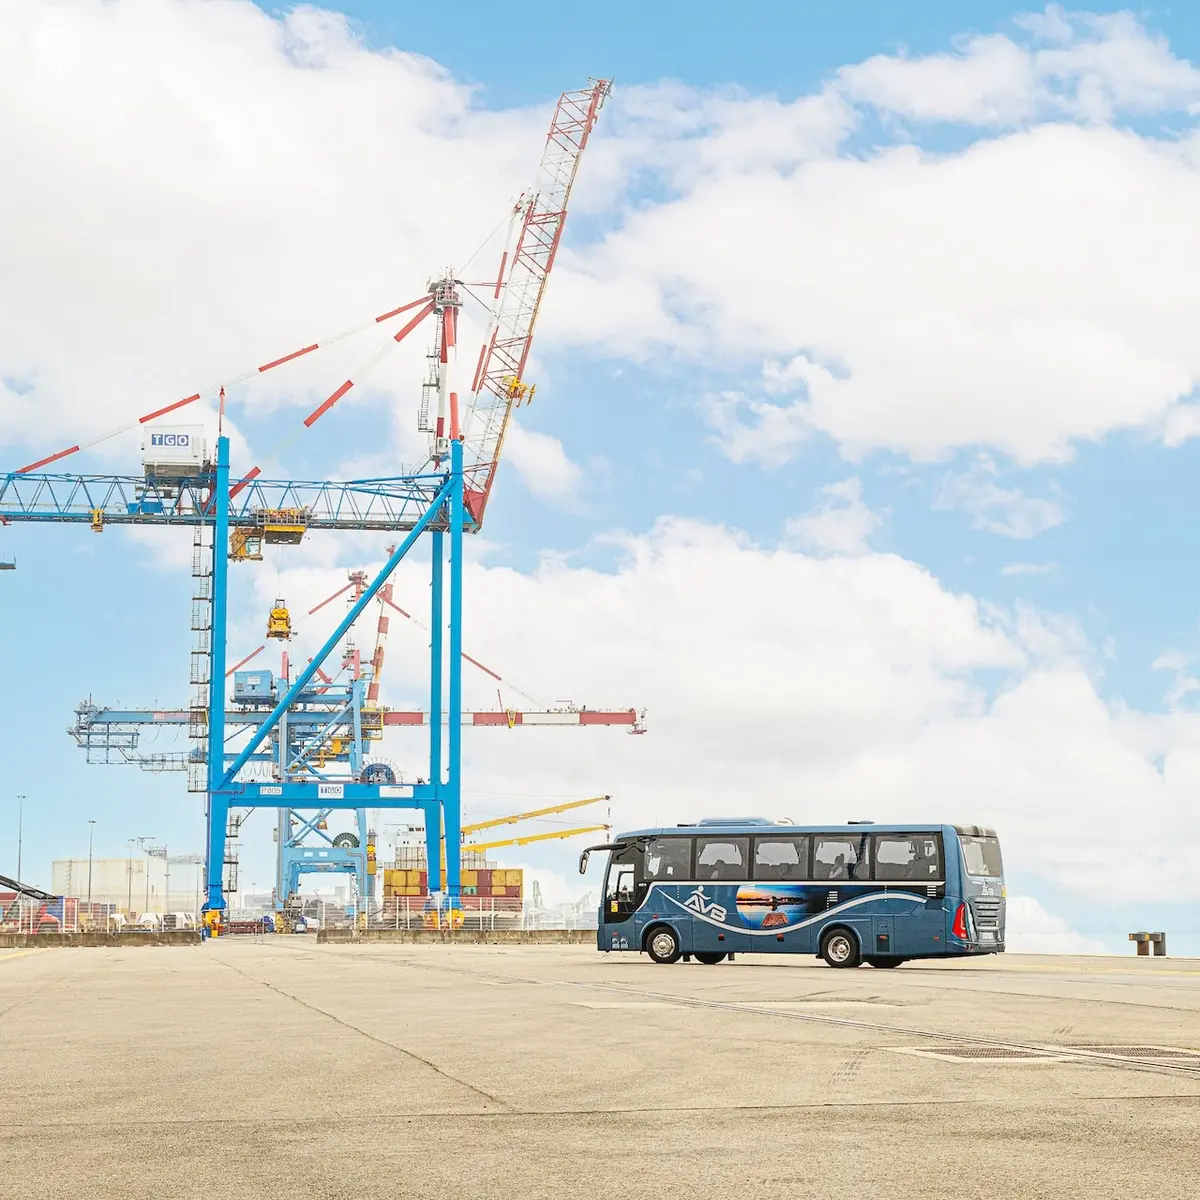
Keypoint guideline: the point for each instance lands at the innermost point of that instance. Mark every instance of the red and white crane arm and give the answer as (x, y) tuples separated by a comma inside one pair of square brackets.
[(498, 383)]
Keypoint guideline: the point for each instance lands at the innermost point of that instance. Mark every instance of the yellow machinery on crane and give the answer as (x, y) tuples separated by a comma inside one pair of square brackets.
[(279, 622)]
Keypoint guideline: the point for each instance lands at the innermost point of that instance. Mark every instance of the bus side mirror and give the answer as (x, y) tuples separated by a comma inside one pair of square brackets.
[(583, 861)]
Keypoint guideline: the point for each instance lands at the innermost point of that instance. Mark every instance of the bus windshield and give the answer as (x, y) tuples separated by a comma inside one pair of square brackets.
[(982, 856)]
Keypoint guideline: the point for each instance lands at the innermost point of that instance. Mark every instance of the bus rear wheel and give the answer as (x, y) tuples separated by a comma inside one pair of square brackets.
[(878, 961), (839, 948), (662, 945), (708, 957)]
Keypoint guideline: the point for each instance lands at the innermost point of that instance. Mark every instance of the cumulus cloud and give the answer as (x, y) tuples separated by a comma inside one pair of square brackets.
[(1006, 511), (1074, 64), (778, 682), (1004, 295), (176, 231), (1030, 929), (841, 524), (542, 464)]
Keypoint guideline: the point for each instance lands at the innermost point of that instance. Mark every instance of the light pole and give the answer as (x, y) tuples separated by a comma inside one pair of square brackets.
[(20, 832), (157, 852), (129, 875), (91, 832), (142, 844)]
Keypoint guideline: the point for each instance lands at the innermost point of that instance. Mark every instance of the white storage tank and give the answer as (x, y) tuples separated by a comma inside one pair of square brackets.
[(174, 451)]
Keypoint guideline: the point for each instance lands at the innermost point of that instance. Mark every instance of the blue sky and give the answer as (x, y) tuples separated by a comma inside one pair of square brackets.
[(656, 428)]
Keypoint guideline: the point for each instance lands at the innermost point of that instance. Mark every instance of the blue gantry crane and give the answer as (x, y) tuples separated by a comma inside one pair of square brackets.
[(233, 515), (336, 719)]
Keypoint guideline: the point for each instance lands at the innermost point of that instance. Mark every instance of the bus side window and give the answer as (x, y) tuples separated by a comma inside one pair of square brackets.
[(722, 858), (669, 858), (839, 856), (912, 857), (781, 858)]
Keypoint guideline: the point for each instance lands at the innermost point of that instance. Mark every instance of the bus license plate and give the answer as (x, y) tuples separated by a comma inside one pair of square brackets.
[(985, 935)]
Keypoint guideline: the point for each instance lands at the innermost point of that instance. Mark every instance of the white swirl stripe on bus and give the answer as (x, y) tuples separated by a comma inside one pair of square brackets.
[(777, 929)]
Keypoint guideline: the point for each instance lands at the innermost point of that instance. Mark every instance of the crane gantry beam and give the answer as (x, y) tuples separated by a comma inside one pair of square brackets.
[(388, 505)]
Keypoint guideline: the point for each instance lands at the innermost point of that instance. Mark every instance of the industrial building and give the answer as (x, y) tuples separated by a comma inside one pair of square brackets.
[(141, 883)]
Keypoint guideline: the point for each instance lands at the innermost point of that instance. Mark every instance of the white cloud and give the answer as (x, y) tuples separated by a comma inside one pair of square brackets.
[(1006, 511), (1077, 65), (1030, 929), (175, 232), (820, 687), (1028, 568), (1183, 683), (542, 464), (841, 524), (1003, 295)]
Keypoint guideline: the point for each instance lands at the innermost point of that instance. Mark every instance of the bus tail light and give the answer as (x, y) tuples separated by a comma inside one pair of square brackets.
[(959, 928)]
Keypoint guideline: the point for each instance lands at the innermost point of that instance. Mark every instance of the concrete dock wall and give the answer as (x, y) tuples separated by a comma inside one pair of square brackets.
[(465, 937), (45, 941)]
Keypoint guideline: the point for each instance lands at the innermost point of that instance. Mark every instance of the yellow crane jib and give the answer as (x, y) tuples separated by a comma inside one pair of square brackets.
[(538, 837), (537, 812), (279, 622)]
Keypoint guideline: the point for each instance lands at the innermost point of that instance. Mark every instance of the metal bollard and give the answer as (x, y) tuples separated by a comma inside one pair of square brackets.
[(1150, 941)]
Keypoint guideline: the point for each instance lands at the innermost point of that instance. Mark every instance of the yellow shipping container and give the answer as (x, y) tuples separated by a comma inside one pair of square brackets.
[(470, 879)]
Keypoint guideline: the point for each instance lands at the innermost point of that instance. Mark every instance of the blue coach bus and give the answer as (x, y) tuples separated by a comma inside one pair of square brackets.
[(861, 892)]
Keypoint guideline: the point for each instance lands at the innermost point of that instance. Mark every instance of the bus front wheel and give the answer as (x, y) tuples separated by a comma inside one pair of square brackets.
[(839, 948), (662, 945)]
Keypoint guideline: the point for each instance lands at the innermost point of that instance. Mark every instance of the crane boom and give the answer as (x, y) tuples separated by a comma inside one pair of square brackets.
[(527, 816), (535, 837), (498, 384)]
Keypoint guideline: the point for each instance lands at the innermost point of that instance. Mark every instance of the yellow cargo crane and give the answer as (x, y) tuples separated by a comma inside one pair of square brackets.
[(279, 622), (455, 918)]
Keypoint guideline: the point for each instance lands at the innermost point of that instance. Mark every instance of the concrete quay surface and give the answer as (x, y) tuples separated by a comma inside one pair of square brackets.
[(276, 1067)]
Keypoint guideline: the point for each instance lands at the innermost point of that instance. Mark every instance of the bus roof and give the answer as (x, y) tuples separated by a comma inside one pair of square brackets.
[(748, 826)]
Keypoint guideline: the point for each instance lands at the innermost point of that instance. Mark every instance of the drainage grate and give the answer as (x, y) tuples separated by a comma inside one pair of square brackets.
[(1010, 1054), (983, 1052), (1140, 1051)]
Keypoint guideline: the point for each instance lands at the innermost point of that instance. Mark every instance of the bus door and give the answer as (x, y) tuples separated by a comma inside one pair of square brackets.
[(911, 866), (619, 904)]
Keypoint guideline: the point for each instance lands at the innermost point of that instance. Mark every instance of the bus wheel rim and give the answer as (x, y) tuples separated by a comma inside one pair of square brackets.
[(664, 944), (839, 947)]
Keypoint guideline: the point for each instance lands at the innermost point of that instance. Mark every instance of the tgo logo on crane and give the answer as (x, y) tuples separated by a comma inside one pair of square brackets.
[(702, 904), (179, 440)]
